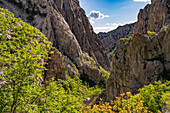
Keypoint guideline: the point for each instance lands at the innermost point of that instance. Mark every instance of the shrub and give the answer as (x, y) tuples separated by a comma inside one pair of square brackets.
[(151, 99), (105, 74), (64, 96), (151, 33), (122, 40), (152, 95), (124, 104)]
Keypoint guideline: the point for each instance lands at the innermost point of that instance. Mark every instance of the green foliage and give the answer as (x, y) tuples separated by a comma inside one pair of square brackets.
[(151, 99), (64, 96), (124, 104), (152, 95), (122, 40), (75, 87), (22, 50), (112, 55), (86, 54), (151, 33), (166, 99), (90, 61), (21, 55), (93, 64), (105, 73), (164, 27), (130, 37)]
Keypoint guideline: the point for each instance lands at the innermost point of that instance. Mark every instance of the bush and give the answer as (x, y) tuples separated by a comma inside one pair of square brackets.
[(124, 104), (151, 99), (122, 40), (152, 95), (151, 33), (105, 74), (64, 96)]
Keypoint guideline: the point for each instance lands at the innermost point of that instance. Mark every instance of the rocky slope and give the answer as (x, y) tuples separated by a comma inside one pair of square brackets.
[(153, 16), (65, 24), (138, 62), (144, 58), (111, 39)]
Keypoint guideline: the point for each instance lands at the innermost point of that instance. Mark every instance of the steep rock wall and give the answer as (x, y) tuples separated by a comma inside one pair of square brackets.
[(111, 39), (144, 58), (138, 62), (153, 17), (69, 31)]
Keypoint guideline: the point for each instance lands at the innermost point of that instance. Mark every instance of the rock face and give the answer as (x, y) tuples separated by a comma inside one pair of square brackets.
[(65, 24), (138, 62), (56, 67), (143, 59), (153, 17), (111, 39), (81, 28)]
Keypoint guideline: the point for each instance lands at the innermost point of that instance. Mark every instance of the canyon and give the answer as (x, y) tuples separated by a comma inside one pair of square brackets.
[(82, 53)]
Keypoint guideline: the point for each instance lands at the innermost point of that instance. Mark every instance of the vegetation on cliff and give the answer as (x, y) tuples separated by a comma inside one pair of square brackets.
[(23, 49)]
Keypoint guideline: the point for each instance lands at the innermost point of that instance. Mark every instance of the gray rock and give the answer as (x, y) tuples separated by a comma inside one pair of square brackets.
[(110, 40), (153, 17), (139, 62), (65, 24)]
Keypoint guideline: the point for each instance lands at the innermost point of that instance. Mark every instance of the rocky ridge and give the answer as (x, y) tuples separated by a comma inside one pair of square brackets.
[(153, 17), (146, 57), (65, 24), (111, 39), (138, 62)]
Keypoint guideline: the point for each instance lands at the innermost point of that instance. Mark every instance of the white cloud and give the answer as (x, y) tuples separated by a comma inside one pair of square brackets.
[(91, 21), (104, 29), (94, 15), (110, 26), (106, 16), (119, 24), (97, 15), (141, 0), (114, 24)]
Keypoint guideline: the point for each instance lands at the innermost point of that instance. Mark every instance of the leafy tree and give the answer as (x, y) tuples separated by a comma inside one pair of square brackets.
[(22, 50)]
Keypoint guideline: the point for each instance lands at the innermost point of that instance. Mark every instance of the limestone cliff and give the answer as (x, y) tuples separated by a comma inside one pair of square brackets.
[(111, 39), (153, 17), (144, 58), (138, 62), (65, 24)]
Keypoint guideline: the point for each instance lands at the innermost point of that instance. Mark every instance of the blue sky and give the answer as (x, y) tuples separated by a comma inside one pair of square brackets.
[(106, 15)]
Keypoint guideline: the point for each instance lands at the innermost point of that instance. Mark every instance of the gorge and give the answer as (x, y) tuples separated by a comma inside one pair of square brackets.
[(80, 58)]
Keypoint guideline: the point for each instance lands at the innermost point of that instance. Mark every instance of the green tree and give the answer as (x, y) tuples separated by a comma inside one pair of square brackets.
[(22, 50)]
